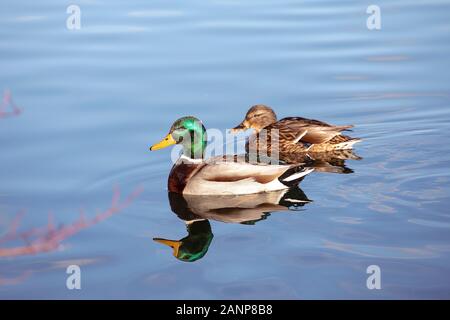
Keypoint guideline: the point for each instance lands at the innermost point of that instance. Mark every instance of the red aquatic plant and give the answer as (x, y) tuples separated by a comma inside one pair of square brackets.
[(15, 280), (8, 107), (49, 237)]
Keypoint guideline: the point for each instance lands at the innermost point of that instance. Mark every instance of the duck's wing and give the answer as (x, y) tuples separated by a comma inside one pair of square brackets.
[(240, 177), (237, 168), (308, 130)]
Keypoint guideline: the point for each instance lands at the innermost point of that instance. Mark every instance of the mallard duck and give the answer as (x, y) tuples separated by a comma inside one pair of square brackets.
[(247, 208), (223, 175), (196, 210), (292, 134)]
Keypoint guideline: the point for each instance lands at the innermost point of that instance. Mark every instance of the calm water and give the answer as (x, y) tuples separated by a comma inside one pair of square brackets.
[(93, 100)]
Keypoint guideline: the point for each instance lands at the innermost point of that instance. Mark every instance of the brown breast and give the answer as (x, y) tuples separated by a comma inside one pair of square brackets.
[(180, 174)]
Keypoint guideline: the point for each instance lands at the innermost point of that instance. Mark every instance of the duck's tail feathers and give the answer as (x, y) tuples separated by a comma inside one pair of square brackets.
[(342, 128), (348, 144)]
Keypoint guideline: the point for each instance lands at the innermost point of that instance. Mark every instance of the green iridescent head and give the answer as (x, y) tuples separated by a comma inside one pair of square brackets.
[(190, 133), (195, 245)]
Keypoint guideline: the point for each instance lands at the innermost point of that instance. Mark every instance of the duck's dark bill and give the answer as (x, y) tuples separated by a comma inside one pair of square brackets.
[(240, 127), (166, 142)]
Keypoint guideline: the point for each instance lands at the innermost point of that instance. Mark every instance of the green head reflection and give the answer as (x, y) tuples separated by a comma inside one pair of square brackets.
[(195, 245)]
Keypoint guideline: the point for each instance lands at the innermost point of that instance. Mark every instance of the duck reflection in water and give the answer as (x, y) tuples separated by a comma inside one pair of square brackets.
[(196, 210), (327, 162)]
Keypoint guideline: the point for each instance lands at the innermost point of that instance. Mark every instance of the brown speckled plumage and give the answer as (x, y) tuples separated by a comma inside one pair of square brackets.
[(329, 161), (292, 134)]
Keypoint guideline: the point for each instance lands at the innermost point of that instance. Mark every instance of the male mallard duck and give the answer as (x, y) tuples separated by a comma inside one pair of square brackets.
[(245, 209), (192, 174), (292, 134)]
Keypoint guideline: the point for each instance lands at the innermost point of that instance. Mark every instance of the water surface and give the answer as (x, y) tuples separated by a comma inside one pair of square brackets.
[(94, 99)]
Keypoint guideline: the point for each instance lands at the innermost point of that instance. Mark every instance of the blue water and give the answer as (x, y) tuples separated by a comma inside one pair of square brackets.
[(93, 100)]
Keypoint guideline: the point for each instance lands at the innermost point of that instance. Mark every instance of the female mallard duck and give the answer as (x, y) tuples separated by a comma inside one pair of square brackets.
[(292, 134), (191, 174)]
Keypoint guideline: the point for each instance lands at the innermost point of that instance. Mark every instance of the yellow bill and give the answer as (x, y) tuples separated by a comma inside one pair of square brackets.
[(174, 244), (166, 142)]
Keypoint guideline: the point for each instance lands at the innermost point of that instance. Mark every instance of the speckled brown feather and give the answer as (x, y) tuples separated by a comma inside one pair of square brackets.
[(294, 134), (329, 161), (318, 137)]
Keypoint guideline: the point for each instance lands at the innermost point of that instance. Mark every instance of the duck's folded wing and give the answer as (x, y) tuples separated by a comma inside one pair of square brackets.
[(310, 131), (222, 171)]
